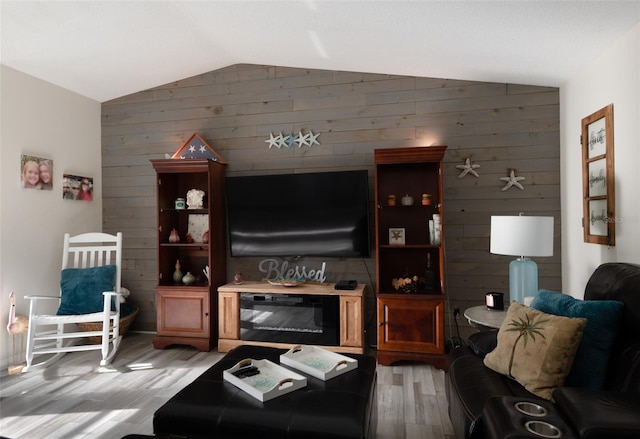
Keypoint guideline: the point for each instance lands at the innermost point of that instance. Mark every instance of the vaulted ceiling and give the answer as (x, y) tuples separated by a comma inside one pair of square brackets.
[(108, 49)]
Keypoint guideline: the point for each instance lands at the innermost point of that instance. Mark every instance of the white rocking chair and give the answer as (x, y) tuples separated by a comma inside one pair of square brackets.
[(90, 261)]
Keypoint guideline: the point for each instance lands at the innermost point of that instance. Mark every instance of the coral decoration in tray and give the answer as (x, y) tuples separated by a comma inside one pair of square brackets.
[(263, 379), (318, 362), (286, 281)]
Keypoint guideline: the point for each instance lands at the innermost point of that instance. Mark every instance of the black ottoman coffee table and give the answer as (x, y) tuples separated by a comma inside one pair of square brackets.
[(342, 407)]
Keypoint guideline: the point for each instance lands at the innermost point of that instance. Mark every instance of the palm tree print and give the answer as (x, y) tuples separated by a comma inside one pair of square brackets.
[(526, 328)]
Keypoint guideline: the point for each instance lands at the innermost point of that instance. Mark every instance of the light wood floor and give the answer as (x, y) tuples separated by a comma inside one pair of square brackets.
[(75, 398)]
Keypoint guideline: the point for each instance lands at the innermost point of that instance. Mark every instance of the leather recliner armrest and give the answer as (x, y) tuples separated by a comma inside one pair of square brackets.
[(483, 342), (600, 414)]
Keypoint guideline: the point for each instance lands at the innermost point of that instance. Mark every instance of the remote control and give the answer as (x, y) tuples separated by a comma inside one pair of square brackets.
[(245, 372)]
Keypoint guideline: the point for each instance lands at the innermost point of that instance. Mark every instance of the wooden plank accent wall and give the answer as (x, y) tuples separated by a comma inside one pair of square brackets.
[(499, 126)]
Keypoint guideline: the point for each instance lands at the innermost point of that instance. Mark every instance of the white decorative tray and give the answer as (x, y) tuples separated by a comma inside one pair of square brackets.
[(318, 362), (263, 379)]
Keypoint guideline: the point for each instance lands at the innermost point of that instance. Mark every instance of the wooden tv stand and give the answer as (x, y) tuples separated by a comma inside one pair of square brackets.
[(351, 313)]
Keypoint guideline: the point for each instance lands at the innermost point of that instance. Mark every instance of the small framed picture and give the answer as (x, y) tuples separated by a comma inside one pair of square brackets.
[(396, 236), (198, 224), (36, 172), (77, 187)]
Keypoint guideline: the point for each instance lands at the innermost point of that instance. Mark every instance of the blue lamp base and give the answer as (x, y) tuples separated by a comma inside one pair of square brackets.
[(523, 279)]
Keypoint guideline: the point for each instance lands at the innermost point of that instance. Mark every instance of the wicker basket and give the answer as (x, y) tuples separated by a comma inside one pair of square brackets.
[(125, 323)]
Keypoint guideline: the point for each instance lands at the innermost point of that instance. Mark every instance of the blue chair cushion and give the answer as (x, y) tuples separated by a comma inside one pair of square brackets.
[(82, 288), (603, 321)]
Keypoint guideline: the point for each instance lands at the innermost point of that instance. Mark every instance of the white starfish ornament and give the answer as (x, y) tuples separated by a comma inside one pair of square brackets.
[(272, 141), (282, 141), (313, 138), (512, 180), (302, 139), (468, 168), (290, 140)]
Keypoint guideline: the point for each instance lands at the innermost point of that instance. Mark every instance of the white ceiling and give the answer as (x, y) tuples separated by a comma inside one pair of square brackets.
[(107, 49)]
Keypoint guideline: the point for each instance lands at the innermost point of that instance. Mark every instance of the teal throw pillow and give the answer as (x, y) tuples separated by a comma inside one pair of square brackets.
[(603, 321), (82, 289)]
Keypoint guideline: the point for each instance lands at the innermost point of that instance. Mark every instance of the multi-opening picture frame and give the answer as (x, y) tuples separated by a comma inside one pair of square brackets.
[(598, 177)]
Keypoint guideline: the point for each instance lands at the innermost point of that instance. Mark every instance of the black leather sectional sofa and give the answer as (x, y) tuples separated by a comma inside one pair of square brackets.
[(482, 402)]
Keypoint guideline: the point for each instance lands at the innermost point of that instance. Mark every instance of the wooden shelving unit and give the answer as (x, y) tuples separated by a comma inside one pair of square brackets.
[(188, 314), (410, 324)]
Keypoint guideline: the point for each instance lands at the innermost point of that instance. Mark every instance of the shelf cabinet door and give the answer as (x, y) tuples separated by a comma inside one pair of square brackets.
[(229, 315), (183, 312), (411, 324), (351, 321)]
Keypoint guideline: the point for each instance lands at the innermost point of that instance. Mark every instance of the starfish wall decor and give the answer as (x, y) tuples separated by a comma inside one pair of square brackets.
[(512, 180), (289, 140), (468, 168)]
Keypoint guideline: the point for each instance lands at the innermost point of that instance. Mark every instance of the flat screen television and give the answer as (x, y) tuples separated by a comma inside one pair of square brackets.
[(323, 214)]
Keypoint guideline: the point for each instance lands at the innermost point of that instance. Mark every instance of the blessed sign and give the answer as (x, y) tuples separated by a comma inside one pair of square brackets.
[(274, 269)]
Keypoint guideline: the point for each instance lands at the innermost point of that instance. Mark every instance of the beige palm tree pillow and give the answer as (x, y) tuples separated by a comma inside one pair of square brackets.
[(535, 348)]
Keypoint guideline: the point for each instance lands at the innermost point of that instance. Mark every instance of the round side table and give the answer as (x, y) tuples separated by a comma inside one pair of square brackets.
[(481, 316)]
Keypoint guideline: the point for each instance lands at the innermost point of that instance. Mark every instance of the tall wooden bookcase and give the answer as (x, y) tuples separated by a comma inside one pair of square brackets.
[(188, 314), (410, 320)]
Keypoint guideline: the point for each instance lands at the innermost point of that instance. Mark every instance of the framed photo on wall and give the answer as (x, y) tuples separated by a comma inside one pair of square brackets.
[(76, 187), (598, 180), (36, 172)]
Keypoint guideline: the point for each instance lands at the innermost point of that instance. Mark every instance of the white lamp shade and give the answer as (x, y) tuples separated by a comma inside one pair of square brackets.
[(522, 235)]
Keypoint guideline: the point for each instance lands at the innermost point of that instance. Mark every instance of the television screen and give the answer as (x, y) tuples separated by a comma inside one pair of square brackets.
[(317, 214)]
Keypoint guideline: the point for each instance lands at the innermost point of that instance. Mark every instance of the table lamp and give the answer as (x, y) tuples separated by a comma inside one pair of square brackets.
[(522, 236)]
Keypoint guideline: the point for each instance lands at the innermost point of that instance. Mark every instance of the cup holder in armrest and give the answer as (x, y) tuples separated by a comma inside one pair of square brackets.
[(543, 429), (530, 408)]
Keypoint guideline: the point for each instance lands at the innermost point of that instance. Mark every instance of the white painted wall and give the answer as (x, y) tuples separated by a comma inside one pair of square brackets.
[(612, 77), (47, 121)]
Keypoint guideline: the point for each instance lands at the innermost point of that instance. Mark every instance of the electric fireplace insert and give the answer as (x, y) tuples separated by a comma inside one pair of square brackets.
[(290, 318)]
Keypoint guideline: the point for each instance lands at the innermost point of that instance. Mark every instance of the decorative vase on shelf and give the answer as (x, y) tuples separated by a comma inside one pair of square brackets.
[(174, 237), (188, 278), (177, 275), (205, 237)]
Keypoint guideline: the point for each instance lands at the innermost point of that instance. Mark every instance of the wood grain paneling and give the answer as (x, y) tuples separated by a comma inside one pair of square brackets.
[(68, 400), (500, 126)]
